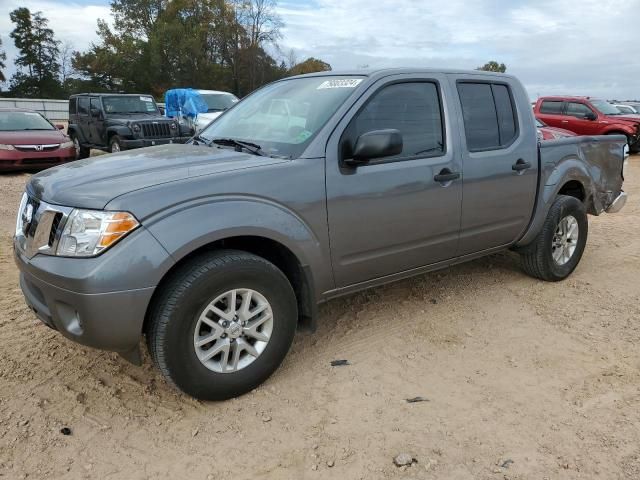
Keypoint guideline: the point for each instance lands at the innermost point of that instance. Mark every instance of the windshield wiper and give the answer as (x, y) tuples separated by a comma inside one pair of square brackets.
[(198, 139), (253, 148)]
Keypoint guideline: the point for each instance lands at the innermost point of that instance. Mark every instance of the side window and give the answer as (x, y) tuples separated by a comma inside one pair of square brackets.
[(413, 109), (95, 103), (490, 120), (83, 106), (578, 110), (551, 107), (72, 105)]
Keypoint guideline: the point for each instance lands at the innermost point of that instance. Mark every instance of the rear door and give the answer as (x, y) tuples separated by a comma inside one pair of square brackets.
[(550, 112), (500, 162), (96, 124), (84, 118), (576, 121), (391, 215)]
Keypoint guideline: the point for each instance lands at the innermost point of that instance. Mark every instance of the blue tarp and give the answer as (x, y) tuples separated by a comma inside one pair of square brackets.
[(184, 102)]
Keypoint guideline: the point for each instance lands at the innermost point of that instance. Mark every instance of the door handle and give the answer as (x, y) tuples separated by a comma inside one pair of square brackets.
[(446, 175), (565, 121), (520, 165)]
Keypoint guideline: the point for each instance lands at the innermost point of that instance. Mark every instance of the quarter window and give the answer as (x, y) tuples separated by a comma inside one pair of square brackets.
[(490, 120), (413, 109), (551, 107)]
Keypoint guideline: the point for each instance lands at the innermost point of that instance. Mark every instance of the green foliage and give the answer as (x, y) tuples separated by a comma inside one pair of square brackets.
[(493, 66), (160, 44), (37, 62), (3, 57), (310, 65)]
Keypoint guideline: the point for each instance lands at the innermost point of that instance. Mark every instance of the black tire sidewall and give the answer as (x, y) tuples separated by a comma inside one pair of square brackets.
[(186, 370), (563, 207)]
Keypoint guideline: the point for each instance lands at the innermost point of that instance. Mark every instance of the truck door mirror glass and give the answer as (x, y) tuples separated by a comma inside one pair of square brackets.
[(590, 116), (95, 113), (376, 144)]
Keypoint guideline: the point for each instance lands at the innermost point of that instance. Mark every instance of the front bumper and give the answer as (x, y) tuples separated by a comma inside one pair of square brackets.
[(11, 160), (100, 301), (129, 144)]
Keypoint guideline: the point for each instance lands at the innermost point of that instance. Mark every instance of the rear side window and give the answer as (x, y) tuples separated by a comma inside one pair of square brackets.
[(551, 107), (72, 105), (83, 106), (413, 109), (490, 120)]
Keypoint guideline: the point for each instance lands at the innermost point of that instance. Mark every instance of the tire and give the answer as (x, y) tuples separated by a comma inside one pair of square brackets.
[(81, 152), (187, 296), (115, 144), (538, 257)]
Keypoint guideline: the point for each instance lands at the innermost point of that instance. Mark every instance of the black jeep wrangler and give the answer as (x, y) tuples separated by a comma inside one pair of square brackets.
[(115, 122)]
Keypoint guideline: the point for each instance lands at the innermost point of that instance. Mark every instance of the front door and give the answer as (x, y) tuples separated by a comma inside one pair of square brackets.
[(390, 215), (500, 161), (576, 121)]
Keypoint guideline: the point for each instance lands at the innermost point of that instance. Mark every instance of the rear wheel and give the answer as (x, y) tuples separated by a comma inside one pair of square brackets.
[(81, 152), (558, 248), (222, 324)]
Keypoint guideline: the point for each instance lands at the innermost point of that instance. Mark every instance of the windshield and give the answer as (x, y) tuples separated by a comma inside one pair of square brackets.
[(129, 104), (283, 117), (219, 101), (20, 121), (605, 107)]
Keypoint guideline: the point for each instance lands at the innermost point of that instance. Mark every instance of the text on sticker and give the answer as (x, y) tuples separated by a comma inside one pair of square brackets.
[(340, 83)]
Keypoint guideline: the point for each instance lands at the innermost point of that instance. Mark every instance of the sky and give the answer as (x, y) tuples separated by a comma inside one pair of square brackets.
[(581, 47)]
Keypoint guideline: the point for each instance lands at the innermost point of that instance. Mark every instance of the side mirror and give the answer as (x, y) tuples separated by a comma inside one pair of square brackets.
[(95, 113), (590, 116), (59, 126), (376, 144)]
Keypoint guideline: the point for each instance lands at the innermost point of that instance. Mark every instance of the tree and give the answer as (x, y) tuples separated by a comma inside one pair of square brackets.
[(159, 44), (37, 62), (310, 65), (3, 58), (493, 66)]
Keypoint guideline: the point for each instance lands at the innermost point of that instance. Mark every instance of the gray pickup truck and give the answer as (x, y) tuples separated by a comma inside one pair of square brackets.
[(310, 188)]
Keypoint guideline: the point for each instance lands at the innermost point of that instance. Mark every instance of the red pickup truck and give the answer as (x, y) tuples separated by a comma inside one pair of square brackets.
[(588, 116)]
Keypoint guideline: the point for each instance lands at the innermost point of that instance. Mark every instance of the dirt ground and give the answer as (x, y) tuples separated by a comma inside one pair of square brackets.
[(524, 380)]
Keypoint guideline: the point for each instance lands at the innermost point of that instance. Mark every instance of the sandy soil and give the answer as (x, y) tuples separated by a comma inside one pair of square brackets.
[(524, 380)]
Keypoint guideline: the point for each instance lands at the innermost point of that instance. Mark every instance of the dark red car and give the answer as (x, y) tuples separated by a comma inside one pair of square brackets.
[(545, 132), (588, 116), (30, 141)]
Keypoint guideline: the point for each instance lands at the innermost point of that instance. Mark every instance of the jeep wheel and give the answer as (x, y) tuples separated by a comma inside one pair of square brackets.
[(115, 144), (222, 324), (81, 152), (558, 248)]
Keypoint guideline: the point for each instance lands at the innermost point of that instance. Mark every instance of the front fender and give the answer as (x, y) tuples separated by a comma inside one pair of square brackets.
[(187, 227), (120, 130)]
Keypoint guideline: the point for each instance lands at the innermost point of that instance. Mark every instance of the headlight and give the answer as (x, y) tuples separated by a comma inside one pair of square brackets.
[(68, 144), (89, 232), (6, 147), (135, 127), (173, 125)]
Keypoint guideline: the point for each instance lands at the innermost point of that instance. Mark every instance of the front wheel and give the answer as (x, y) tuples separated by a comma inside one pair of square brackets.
[(115, 144), (558, 248), (222, 324)]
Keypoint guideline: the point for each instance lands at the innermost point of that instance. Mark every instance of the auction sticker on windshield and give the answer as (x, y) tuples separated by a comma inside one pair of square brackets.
[(340, 83)]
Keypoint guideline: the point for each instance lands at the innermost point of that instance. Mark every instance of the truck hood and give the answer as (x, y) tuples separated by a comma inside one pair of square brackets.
[(126, 119), (94, 182), (628, 119)]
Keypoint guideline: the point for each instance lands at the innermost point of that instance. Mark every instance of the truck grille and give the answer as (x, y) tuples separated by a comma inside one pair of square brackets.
[(156, 130), (39, 226)]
